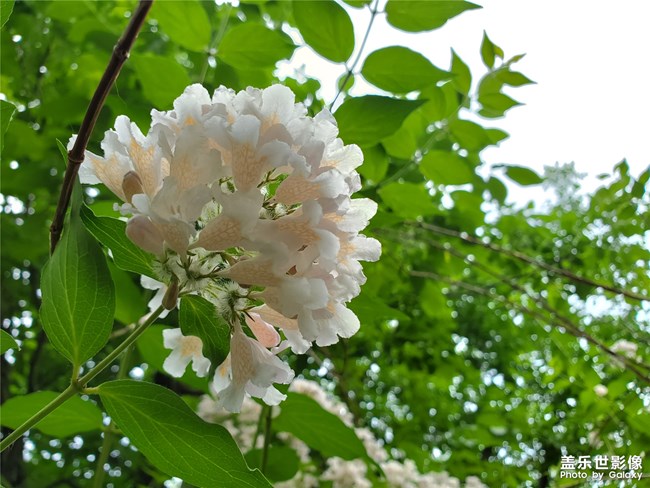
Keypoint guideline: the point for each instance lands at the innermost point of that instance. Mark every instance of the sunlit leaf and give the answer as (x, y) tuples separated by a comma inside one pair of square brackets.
[(375, 163), (326, 27), (523, 176), (366, 120), (415, 16), (162, 79), (400, 70), (409, 200), (446, 168), (186, 23), (252, 45), (490, 51)]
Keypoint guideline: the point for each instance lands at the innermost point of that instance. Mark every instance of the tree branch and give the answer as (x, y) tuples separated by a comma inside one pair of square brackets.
[(570, 327), (373, 14), (76, 154), (535, 262)]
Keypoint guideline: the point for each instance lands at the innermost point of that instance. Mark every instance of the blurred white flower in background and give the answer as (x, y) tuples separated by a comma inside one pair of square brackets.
[(341, 473)]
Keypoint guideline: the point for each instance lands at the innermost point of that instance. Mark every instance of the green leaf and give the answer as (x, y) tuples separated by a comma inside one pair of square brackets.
[(403, 143), (496, 135), (7, 342), (198, 317), (6, 8), (408, 200), (513, 78), (489, 51), (282, 462), (497, 189), (186, 23), (130, 304), (462, 79), (72, 417), (7, 111), (496, 104), (151, 348), (326, 27), (446, 168), (78, 295), (162, 78), (523, 176), (467, 209), (366, 120), (469, 135), (319, 429), (375, 163), (174, 439), (358, 3), (398, 69), (253, 45), (112, 233), (417, 15)]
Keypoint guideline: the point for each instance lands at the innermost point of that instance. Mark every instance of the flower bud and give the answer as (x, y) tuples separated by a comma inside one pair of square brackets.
[(170, 299), (131, 185)]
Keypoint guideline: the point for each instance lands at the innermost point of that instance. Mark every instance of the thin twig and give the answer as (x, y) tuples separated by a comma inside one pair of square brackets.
[(535, 262), (216, 40), (373, 14), (571, 328), (512, 282), (76, 154)]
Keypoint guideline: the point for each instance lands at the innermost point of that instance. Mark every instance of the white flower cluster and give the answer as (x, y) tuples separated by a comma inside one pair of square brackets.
[(341, 473), (245, 200)]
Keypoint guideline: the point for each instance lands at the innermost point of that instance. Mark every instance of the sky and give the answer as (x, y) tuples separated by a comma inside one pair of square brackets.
[(591, 63)]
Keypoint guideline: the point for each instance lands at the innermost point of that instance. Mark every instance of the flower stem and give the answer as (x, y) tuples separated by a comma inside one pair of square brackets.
[(78, 386)]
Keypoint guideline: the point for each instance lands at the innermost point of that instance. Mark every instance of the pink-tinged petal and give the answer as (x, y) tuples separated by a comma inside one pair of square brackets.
[(144, 234), (263, 332)]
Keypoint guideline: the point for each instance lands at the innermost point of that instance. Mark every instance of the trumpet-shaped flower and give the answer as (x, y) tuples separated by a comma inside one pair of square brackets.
[(249, 368), (185, 349), (243, 197)]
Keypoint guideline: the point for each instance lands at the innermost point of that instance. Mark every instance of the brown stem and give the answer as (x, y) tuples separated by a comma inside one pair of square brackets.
[(76, 154), (535, 262)]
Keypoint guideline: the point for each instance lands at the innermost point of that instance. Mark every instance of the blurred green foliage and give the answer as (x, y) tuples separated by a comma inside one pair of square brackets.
[(449, 368)]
